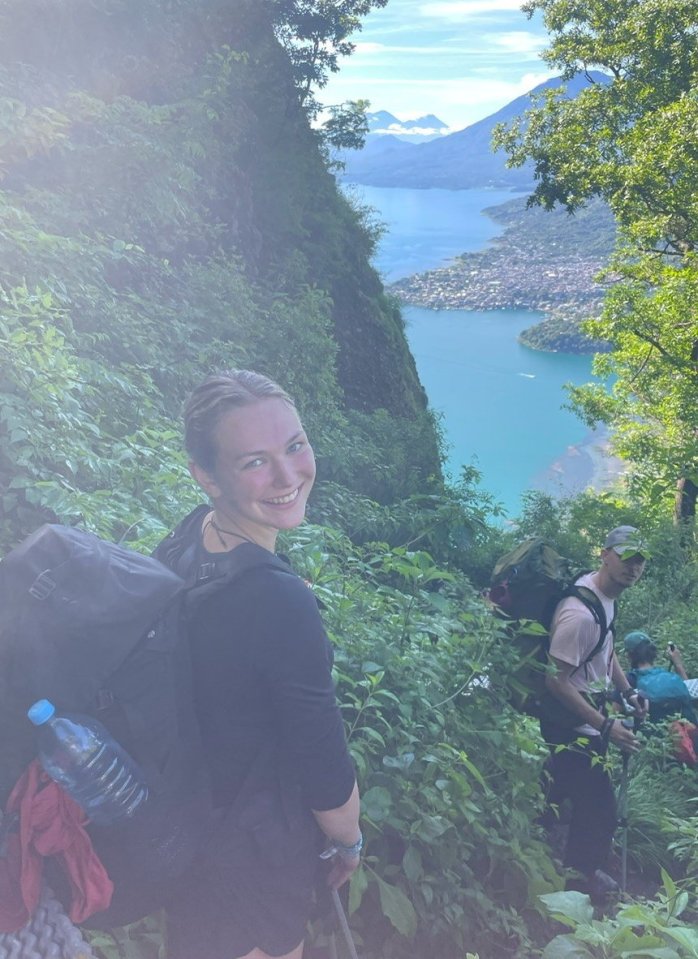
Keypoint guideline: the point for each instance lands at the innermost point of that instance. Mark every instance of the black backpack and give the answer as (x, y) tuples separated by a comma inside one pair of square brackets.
[(527, 585), (102, 630)]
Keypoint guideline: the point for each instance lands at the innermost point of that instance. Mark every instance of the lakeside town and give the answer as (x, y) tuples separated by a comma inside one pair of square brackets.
[(508, 278), (542, 261)]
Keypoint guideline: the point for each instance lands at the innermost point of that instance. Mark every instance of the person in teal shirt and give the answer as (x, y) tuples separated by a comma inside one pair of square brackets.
[(666, 691)]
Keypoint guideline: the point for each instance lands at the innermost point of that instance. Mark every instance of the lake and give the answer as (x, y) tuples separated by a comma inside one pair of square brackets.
[(426, 228), (500, 402)]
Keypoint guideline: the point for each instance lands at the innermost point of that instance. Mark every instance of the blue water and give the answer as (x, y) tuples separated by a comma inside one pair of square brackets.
[(501, 403), (426, 228)]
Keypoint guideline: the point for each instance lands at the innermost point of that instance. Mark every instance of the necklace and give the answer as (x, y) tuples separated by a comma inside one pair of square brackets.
[(220, 531)]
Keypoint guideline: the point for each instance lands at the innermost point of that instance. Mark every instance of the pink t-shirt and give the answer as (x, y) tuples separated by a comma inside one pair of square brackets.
[(573, 635)]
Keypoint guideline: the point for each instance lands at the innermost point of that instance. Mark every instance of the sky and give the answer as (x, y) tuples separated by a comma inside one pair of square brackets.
[(459, 59)]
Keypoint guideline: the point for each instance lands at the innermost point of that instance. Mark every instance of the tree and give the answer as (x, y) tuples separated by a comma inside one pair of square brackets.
[(633, 141), (347, 125), (316, 34)]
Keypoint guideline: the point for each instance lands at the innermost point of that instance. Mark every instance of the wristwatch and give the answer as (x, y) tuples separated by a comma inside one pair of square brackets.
[(341, 849)]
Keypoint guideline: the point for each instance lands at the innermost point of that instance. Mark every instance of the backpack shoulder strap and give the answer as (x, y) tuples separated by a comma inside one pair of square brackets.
[(592, 602), (179, 548), (206, 573), (217, 571)]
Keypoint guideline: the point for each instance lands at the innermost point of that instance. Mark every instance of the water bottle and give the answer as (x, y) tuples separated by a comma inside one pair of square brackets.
[(80, 755)]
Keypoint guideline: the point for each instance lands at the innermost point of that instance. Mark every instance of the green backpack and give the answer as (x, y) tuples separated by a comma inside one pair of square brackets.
[(526, 586)]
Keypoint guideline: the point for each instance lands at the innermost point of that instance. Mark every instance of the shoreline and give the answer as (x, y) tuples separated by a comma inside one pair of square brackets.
[(544, 263), (588, 464)]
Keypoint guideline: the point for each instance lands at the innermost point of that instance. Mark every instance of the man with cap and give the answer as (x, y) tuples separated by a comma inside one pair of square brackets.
[(586, 670), (665, 691)]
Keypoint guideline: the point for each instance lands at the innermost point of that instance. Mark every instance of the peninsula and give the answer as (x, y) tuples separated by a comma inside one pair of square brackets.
[(543, 260)]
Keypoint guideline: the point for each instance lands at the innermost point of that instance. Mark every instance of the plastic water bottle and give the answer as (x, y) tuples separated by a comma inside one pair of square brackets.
[(80, 755)]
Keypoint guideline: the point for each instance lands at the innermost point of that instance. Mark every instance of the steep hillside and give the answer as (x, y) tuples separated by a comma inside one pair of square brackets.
[(168, 210), (459, 161)]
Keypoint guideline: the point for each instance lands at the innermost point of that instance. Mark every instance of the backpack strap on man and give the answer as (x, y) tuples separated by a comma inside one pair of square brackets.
[(592, 602)]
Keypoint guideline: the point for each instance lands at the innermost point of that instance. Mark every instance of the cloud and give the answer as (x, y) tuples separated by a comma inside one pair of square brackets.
[(460, 59), (391, 51), (517, 41), (364, 47), (471, 91), (397, 129), (465, 9)]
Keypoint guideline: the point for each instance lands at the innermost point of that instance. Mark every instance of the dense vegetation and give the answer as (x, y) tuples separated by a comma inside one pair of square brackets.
[(632, 142), (562, 334), (166, 210)]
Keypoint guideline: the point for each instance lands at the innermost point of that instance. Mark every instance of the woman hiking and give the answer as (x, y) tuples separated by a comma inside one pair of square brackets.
[(282, 780)]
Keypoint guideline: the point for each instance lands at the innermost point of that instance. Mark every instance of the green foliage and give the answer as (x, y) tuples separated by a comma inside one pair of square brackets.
[(661, 797), (316, 34), (642, 929), (563, 334), (145, 939), (347, 125), (648, 318), (450, 776), (454, 525), (166, 211), (684, 846)]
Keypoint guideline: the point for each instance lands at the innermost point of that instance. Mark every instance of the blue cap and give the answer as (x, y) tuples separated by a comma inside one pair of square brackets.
[(634, 639), (41, 712)]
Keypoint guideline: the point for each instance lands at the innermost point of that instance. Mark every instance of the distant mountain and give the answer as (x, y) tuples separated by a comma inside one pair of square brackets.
[(421, 130), (457, 161), (381, 120)]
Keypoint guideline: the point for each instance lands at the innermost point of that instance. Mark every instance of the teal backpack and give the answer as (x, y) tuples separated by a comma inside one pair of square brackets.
[(667, 693)]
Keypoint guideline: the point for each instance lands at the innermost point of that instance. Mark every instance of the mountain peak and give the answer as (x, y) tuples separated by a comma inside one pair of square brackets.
[(382, 123), (455, 161)]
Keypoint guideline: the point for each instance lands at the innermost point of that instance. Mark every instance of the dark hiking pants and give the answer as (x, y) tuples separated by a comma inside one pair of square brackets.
[(578, 773)]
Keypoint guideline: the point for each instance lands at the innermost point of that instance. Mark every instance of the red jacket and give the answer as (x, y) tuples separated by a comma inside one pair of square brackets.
[(50, 824)]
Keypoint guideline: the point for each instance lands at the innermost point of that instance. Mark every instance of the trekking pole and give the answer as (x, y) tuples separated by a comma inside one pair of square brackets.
[(633, 724), (623, 821), (341, 915)]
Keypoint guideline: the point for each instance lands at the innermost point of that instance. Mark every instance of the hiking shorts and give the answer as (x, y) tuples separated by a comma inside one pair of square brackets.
[(253, 886)]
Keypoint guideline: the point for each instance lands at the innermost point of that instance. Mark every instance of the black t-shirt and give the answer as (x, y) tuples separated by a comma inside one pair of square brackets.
[(262, 682)]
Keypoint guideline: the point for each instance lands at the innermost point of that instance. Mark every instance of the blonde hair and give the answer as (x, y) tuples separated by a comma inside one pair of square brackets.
[(212, 399)]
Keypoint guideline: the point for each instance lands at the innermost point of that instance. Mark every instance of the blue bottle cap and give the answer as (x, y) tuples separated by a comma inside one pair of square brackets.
[(41, 712)]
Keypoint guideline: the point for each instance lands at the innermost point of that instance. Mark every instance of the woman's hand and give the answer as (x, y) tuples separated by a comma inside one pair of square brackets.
[(344, 860), (341, 826), (342, 867)]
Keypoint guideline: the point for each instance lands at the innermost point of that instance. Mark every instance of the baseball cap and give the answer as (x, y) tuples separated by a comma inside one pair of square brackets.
[(634, 639), (626, 541)]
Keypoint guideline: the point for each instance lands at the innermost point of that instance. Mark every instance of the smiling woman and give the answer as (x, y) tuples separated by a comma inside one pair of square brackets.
[(273, 737), (259, 469)]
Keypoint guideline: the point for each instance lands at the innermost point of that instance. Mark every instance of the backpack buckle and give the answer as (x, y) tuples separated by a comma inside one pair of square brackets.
[(43, 586), (205, 571), (104, 699)]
